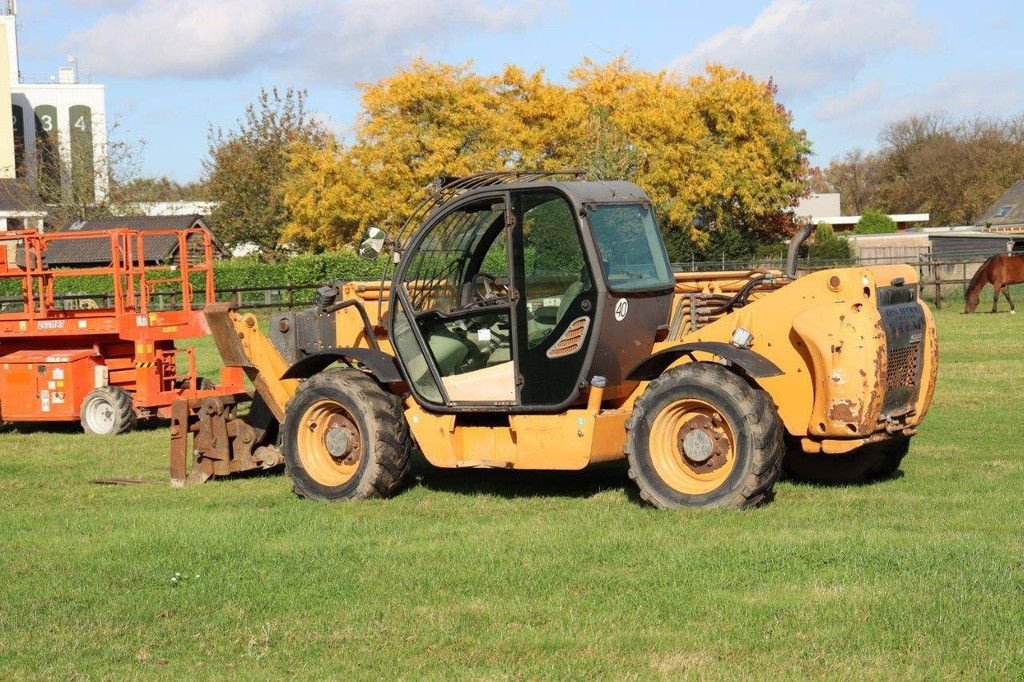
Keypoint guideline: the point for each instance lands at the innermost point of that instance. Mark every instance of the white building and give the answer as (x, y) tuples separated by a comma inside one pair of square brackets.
[(824, 208), (59, 124), (166, 208), (814, 207)]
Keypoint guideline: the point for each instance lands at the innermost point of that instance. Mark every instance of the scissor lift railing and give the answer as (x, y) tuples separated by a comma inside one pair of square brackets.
[(132, 280)]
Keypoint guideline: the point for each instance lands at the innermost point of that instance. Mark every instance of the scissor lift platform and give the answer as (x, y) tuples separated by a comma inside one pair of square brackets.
[(114, 360)]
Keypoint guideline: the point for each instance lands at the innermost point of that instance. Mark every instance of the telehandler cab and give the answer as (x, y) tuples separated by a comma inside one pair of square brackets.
[(534, 322)]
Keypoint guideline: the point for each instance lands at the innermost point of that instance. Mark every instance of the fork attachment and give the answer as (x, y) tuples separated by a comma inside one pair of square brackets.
[(225, 439)]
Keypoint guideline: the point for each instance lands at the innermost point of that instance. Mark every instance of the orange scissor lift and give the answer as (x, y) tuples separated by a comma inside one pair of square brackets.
[(110, 363)]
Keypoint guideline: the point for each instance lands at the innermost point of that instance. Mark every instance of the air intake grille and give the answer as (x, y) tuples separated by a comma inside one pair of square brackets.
[(571, 341), (902, 367)]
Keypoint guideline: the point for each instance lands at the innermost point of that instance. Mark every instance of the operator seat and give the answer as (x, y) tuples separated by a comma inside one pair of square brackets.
[(449, 351)]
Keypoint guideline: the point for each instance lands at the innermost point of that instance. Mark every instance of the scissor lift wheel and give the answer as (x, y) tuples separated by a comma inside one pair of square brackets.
[(107, 411)]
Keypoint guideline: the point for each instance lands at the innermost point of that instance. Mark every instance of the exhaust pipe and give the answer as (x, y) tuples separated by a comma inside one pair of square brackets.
[(794, 249)]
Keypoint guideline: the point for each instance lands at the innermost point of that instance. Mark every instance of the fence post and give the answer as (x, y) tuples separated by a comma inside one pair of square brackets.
[(938, 286), (964, 278)]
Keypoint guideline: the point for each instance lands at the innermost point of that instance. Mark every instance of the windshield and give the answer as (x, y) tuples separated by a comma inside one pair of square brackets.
[(632, 252)]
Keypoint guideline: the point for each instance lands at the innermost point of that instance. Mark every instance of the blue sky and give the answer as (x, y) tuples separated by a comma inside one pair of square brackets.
[(173, 68)]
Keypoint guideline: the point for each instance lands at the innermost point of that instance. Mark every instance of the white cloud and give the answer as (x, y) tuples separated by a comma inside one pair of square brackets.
[(102, 4), (807, 45), (960, 94), (864, 97), (858, 116), (324, 40), (340, 129), (968, 92)]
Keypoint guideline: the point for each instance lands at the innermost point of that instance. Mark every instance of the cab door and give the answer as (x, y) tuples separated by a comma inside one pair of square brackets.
[(452, 323), (556, 298)]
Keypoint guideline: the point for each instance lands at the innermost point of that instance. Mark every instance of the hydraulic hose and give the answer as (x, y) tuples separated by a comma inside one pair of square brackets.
[(794, 249)]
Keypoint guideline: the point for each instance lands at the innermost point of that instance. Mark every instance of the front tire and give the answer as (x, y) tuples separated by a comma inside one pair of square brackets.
[(107, 411), (345, 438), (701, 436)]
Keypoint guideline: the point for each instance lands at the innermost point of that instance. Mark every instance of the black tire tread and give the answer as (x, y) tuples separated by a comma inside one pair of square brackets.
[(761, 421), (124, 406), (388, 466)]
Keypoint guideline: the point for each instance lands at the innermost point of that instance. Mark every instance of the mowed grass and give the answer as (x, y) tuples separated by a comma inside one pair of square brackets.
[(503, 575)]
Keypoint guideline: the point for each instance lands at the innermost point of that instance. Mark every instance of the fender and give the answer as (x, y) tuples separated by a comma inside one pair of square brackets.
[(381, 365), (754, 364)]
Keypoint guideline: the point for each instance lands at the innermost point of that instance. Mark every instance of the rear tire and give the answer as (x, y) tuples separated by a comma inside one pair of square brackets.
[(701, 436), (872, 462), (107, 411), (345, 438)]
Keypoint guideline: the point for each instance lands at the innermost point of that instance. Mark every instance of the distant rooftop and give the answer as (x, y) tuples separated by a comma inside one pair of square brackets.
[(158, 248), (900, 218), (17, 199), (1007, 210)]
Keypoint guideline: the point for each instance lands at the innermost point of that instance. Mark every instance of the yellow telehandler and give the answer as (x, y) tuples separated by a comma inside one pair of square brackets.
[(533, 321)]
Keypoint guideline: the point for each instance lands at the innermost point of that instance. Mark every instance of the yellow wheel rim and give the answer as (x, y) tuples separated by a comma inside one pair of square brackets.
[(692, 446), (329, 444)]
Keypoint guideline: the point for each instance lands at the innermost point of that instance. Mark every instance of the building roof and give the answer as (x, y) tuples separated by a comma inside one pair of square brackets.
[(890, 239), (159, 248), (1007, 209), (17, 199), (139, 222), (976, 235), (896, 218)]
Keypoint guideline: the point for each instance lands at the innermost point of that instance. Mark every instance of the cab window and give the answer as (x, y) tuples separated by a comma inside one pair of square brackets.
[(556, 273), (632, 253)]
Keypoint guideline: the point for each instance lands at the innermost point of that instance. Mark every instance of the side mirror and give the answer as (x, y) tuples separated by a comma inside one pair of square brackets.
[(373, 243)]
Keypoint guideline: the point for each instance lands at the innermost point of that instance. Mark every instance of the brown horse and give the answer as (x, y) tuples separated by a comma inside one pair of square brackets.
[(1000, 271)]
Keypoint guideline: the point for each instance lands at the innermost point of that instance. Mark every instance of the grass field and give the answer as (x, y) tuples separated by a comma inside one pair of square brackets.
[(504, 575)]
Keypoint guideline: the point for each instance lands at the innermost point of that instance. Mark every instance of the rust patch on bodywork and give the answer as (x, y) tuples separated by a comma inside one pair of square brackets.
[(876, 389), (845, 411)]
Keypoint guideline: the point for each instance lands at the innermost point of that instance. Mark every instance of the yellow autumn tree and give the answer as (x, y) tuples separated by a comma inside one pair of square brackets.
[(717, 143)]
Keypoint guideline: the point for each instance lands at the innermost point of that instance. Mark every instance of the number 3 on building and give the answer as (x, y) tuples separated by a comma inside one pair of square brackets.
[(47, 122)]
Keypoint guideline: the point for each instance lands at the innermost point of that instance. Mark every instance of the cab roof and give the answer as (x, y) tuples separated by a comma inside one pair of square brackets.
[(579, 191)]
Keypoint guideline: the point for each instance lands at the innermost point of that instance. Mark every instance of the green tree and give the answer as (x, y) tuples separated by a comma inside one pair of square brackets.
[(828, 246), (929, 163), (874, 222), (161, 189), (248, 166)]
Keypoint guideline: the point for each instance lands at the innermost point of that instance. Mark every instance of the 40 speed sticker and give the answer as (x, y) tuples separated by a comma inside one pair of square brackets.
[(621, 308)]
